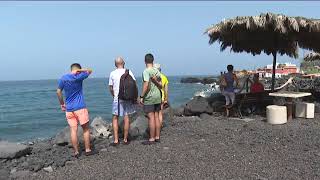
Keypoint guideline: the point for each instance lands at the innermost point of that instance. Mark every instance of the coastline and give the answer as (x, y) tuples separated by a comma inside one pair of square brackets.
[(197, 147)]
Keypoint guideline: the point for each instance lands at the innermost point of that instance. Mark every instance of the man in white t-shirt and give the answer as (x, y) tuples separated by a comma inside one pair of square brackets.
[(126, 107)]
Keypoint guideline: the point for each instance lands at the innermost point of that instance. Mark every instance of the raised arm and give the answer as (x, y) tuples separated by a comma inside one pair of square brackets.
[(88, 70), (61, 101)]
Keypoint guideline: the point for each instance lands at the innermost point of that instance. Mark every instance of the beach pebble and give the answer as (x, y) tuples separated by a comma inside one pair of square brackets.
[(68, 163), (166, 148), (30, 143), (4, 174), (48, 169), (20, 174), (104, 150), (13, 170)]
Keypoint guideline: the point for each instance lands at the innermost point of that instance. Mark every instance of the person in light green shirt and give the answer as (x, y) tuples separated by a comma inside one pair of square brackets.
[(151, 98)]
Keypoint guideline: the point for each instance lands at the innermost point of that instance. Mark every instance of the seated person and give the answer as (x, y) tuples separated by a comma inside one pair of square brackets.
[(256, 86)]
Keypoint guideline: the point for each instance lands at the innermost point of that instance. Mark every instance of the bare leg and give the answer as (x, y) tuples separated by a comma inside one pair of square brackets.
[(126, 128), (115, 127), (160, 116), (74, 138), (86, 136), (158, 125), (152, 127)]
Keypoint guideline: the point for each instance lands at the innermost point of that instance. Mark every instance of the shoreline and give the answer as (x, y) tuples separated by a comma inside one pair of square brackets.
[(204, 146), (210, 145)]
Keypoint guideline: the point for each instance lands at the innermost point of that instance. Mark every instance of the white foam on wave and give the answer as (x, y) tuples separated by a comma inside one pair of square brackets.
[(213, 88)]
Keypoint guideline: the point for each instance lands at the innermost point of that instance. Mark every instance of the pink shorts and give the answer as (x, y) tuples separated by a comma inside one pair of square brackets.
[(81, 116)]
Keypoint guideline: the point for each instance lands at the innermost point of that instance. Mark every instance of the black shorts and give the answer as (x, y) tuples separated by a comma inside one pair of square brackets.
[(151, 108)]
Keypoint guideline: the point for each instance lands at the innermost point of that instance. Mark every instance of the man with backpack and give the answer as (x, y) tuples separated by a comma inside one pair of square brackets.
[(151, 99), (123, 88)]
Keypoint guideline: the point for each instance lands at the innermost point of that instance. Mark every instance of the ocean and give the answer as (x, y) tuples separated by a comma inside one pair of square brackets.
[(29, 110)]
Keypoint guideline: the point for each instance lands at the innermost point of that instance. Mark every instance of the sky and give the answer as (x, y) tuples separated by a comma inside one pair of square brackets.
[(39, 40)]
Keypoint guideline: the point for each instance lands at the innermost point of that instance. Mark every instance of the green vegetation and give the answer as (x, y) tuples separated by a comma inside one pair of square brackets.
[(310, 67)]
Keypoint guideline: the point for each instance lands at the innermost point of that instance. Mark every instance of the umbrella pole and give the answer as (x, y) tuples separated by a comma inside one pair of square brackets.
[(274, 70)]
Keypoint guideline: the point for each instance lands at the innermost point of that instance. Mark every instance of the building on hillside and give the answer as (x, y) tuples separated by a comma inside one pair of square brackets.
[(281, 70)]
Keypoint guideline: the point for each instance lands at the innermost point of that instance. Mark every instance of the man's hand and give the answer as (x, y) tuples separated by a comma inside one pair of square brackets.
[(63, 107), (141, 101)]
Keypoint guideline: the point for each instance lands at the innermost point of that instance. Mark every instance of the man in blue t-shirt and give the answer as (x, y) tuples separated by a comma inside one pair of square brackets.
[(75, 106)]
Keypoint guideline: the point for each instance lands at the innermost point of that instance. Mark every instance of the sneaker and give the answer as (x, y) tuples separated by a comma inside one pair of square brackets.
[(157, 140)]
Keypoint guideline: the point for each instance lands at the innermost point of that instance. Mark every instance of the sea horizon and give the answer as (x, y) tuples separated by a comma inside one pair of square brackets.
[(49, 79)]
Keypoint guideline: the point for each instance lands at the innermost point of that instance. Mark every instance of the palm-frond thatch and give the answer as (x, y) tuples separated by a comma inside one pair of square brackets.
[(312, 57), (269, 33)]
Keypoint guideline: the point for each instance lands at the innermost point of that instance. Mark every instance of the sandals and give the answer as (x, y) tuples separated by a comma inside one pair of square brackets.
[(114, 144), (76, 155), (148, 142), (126, 142), (90, 153)]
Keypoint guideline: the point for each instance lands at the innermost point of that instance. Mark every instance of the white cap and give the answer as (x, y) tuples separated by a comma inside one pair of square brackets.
[(158, 66)]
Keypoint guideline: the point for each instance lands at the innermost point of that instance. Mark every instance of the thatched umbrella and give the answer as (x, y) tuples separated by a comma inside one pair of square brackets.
[(312, 57), (269, 33)]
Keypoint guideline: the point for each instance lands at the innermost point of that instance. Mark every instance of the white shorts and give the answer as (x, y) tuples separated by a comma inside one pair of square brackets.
[(126, 108), (230, 97)]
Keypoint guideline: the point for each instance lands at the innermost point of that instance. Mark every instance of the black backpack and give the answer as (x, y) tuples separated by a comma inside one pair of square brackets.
[(128, 90)]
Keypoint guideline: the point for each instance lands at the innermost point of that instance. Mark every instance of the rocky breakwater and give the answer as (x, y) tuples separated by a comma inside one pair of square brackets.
[(204, 80), (19, 160), (199, 105), (23, 160)]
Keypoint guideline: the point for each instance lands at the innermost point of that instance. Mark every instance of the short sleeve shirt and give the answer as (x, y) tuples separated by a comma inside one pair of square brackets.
[(153, 95), (257, 87), (114, 81), (71, 84)]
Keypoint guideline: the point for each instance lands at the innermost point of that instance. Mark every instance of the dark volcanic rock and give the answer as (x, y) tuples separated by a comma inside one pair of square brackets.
[(10, 150), (139, 127), (63, 137), (209, 80), (205, 80), (197, 106), (178, 111), (190, 80)]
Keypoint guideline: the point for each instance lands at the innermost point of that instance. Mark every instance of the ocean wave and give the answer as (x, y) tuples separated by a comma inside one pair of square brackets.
[(213, 88)]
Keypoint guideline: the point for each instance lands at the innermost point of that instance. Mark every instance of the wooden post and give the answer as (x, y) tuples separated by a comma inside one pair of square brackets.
[(274, 70)]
